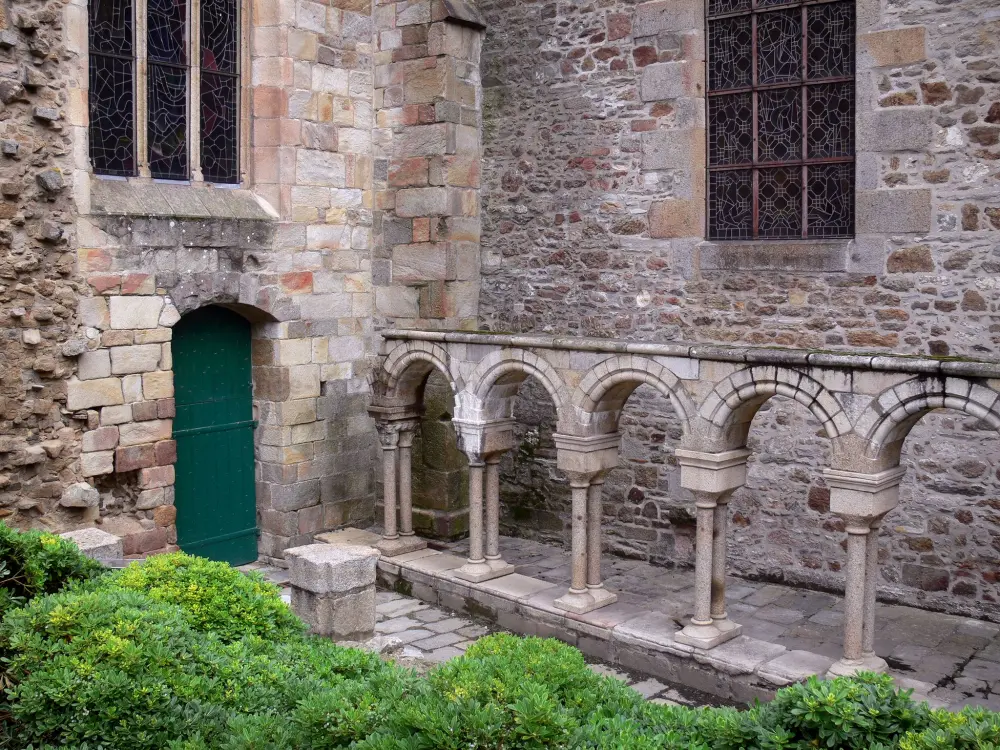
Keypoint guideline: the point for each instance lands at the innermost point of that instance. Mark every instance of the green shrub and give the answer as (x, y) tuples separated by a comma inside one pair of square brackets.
[(215, 597), (33, 563), (118, 669), (970, 729)]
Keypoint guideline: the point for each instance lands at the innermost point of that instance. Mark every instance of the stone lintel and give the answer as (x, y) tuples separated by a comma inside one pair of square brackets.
[(862, 495), (587, 455), (713, 472)]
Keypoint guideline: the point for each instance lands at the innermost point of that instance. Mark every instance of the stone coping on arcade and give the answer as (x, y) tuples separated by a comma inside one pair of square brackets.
[(748, 355), (642, 637)]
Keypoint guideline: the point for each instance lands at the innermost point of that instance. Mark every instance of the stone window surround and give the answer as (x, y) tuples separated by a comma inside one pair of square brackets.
[(194, 96), (865, 252)]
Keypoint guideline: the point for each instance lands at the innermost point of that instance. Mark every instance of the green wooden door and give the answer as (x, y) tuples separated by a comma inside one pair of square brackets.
[(216, 506)]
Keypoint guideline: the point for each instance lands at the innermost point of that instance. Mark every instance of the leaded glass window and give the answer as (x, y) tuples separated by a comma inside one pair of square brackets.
[(780, 119), (189, 128)]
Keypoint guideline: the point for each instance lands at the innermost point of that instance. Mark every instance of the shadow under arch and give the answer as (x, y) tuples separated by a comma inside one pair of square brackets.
[(494, 385), (405, 371)]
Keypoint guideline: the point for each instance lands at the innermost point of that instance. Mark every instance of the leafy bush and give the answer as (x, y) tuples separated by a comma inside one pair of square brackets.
[(33, 563), (215, 597), (121, 670)]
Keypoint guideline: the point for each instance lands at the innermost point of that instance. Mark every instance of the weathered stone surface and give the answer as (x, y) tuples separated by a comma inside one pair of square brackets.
[(899, 210), (126, 360), (328, 569), (80, 495), (344, 616), (894, 47), (86, 394), (96, 544), (135, 312)]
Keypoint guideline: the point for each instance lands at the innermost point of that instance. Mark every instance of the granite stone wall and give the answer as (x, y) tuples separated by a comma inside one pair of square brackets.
[(593, 216)]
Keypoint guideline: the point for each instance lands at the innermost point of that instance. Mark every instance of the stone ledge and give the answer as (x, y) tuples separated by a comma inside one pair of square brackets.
[(805, 256), (133, 198), (740, 354)]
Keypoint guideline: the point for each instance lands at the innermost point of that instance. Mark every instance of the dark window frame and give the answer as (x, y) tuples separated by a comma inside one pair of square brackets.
[(801, 166)]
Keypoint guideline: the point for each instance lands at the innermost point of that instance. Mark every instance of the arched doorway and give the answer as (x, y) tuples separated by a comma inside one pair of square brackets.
[(215, 498)]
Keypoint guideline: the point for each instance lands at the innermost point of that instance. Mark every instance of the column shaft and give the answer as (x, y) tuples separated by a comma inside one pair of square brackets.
[(703, 563), (579, 539), (720, 530), (594, 513), (389, 458), (854, 594), (476, 513), (493, 508), (405, 485), (871, 577)]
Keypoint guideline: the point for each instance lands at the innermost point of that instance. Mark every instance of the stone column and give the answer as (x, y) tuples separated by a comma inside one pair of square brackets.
[(493, 557), (712, 478), (397, 441), (862, 500), (873, 663), (476, 569), (595, 511), (586, 460)]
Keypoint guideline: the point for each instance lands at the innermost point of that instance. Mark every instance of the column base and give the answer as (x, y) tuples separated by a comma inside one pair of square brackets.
[(400, 546), (581, 602), (708, 636), (487, 570), (850, 667)]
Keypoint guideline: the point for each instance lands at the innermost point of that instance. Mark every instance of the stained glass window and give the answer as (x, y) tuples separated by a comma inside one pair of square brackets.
[(780, 119), (219, 91), (172, 68), (112, 87)]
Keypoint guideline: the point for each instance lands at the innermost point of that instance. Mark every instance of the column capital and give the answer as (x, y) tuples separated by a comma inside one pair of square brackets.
[(719, 473), (863, 496), (590, 455), (484, 438)]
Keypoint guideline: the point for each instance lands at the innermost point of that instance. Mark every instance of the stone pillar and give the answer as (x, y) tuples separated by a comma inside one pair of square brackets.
[(712, 478), (586, 461), (397, 440), (333, 589), (476, 569), (493, 557), (862, 500)]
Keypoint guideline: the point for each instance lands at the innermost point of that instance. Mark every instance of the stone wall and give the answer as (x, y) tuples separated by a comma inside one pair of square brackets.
[(592, 224), (39, 434)]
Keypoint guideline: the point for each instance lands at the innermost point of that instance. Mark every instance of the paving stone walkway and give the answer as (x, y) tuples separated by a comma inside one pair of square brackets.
[(960, 656), (431, 635)]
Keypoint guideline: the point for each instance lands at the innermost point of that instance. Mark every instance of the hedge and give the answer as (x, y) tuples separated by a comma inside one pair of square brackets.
[(185, 654)]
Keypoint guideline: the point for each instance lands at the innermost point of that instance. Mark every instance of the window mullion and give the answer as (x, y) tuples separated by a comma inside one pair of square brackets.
[(141, 89), (804, 146), (194, 87)]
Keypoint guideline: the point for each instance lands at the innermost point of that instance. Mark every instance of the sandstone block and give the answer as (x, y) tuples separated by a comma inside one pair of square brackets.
[(896, 47), (671, 80), (135, 312), (916, 259), (896, 129), (93, 312), (668, 15), (165, 515), (434, 201), (127, 360), (670, 148), (96, 544), (348, 616), (142, 542), (330, 569), (313, 167), (158, 385), (149, 499), (676, 218), (166, 452), (94, 364), (428, 261), (101, 439), (157, 476), (134, 457), (303, 381), (145, 432), (287, 497), (80, 495), (86, 394), (112, 415), (898, 210), (422, 140), (95, 464)]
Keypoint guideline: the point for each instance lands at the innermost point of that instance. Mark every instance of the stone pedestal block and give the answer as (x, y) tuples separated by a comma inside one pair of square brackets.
[(96, 544), (333, 589)]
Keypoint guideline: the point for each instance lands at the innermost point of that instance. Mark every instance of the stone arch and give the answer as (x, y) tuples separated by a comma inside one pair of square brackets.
[(888, 420), (731, 406), (602, 393), (494, 383), (406, 368)]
